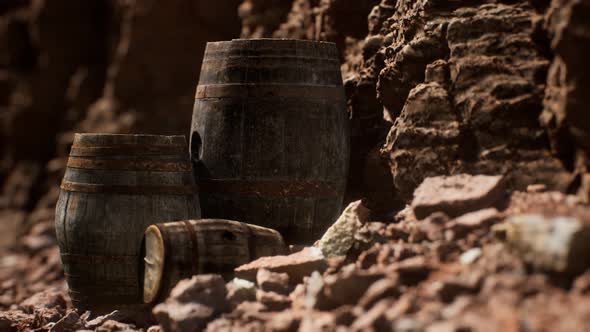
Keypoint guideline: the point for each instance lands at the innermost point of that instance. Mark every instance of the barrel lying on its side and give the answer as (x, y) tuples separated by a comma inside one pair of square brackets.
[(114, 187), (178, 250), (270, 135)]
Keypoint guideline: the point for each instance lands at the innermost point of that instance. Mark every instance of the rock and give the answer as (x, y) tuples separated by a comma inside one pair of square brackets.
[(114, 326), (424, 140), (567, 79), (412, 270), (339, 238), (547, 203), (249, 308), (35, 244), (470, 256), (48, 299), (15, 320), (344, 315), (346, 287), (10, 223), (582, 284), (477, 219), (192, 303), (456, 195), (374, 319), (384, 288), (317, 321), (273, 301), (297, 265), (260, 18), (448, 290), (137, 317), (70, 322), (240, 290), (183, 317), (285, 321), (559, 243), (206, 288), (273, 282), (314, 285)]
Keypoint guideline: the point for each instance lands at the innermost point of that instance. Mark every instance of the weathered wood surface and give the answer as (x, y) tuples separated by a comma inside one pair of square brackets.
[(270, 135), (178, 250), (114, 187)]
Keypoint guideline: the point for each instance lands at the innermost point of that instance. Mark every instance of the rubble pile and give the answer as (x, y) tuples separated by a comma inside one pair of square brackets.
[(477, 258), (468, 189)]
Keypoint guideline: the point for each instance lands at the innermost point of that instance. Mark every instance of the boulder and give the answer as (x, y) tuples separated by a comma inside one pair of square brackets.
[(297, 265), (240, 290), (192, 304), (456, 195), (559, 243), (273, 282), (339, 238)]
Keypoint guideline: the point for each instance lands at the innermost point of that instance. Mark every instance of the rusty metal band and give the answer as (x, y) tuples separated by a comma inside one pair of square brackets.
[(127, 150), (98, 259), (269, 90), (130, 165), (92, 188), (96, 297), (277, 188), (194, 245), (219, 56)]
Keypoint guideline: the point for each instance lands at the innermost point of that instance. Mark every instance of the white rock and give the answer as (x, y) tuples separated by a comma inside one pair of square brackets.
[(339, 238), (470, 256)]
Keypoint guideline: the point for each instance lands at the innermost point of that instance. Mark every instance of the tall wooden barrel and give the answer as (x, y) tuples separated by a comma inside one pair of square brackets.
[(270, 137), (178, 250), (114, 187)]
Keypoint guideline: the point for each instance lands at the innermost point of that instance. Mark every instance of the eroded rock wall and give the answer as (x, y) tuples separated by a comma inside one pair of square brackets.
[(444, 87), (93, 66)]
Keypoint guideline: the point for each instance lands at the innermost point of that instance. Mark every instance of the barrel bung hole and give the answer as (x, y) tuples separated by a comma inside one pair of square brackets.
[(228, 236)]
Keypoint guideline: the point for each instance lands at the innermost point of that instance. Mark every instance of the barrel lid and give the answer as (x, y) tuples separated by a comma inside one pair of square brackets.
[(282, 46), (100, 139), (153, 261)]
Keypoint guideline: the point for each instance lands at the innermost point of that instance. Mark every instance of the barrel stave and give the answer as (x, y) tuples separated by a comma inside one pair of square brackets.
[(106, 202)]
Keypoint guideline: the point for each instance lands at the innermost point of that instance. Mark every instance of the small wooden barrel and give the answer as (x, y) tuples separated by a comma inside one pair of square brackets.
[(270, 135), (178, 250), (114, 187)]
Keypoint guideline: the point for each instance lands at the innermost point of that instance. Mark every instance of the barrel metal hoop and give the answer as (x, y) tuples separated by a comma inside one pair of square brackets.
[(278, 188), (94, 188), (194, 245), (130, 165), (98, 259), (244, 90), (243, 56), (127, 150), (90, 282)]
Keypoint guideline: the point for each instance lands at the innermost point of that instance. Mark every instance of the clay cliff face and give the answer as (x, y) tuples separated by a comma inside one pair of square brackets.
[(93, 66), (445, 87), (433, 87)]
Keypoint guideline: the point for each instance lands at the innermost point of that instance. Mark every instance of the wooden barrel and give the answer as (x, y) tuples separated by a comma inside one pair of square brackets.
[(178, 250), (270, 135), (114, 187)]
